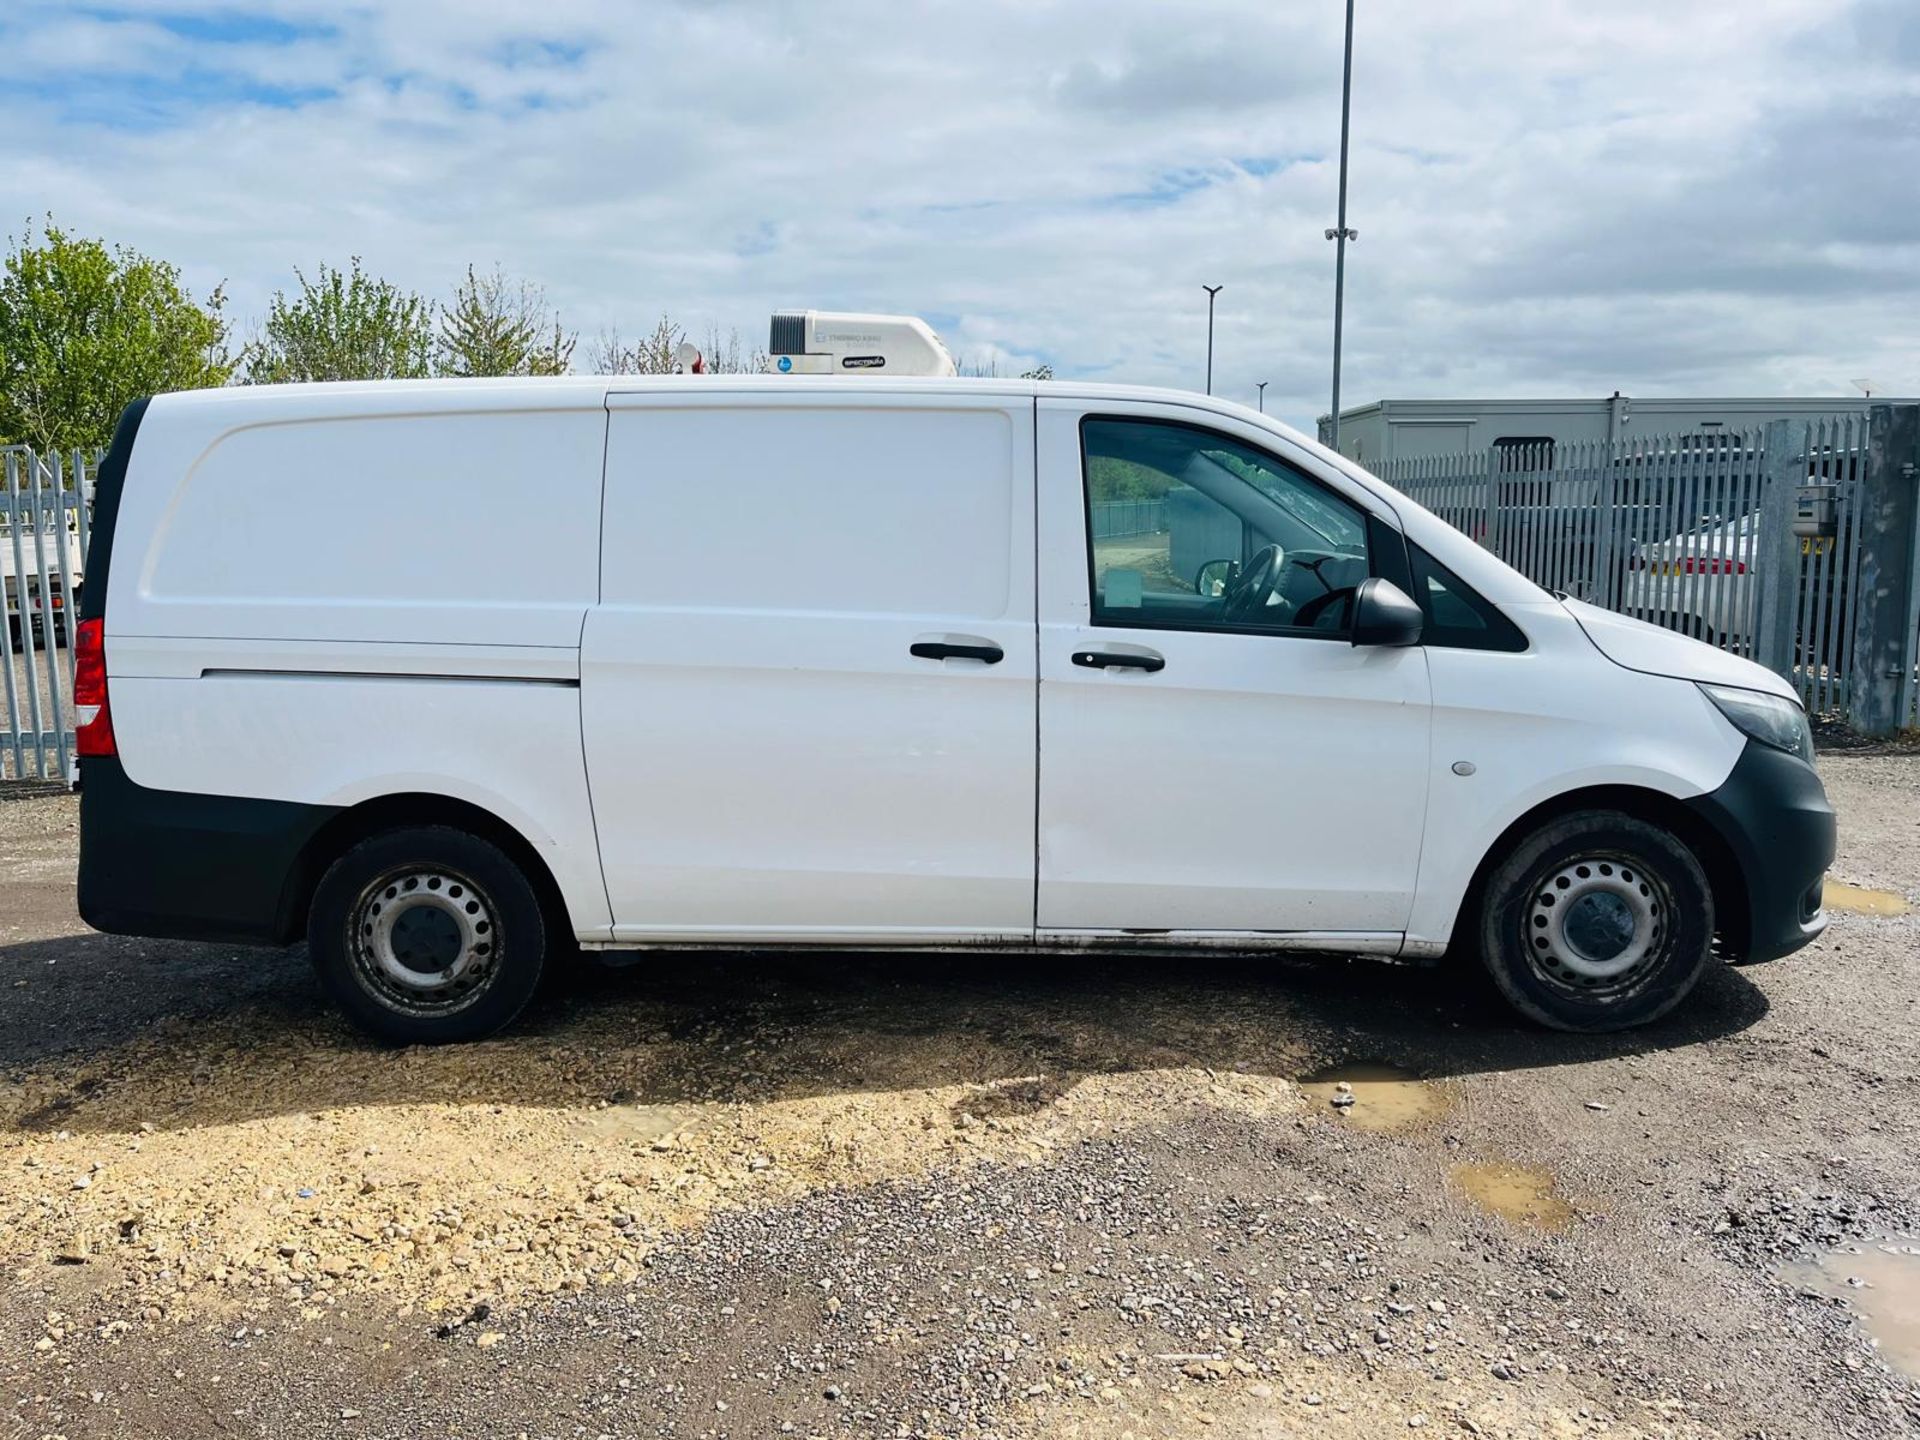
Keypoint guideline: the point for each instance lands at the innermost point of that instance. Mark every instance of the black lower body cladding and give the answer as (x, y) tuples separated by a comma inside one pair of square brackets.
[(1773, 814), (188, 866)]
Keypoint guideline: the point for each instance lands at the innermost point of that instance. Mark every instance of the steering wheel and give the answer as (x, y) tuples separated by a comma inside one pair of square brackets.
[(1249, 591)]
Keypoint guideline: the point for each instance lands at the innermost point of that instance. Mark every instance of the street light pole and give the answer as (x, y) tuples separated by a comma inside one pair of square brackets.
[(1212, 290), (1262, 388), (1342, 234)]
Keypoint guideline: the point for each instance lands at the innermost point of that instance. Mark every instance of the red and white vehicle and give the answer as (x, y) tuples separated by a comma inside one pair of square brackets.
[(21, 574), (1698, 582)]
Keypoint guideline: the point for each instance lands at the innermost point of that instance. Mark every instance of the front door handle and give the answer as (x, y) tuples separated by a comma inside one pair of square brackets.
[(957, 647), (1142, 659)]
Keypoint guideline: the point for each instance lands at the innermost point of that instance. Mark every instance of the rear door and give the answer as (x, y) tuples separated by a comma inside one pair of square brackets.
[(1216, 757), (809, 689)]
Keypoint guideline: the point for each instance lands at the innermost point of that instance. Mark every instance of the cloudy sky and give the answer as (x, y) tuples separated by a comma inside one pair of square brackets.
[(1553, 196)]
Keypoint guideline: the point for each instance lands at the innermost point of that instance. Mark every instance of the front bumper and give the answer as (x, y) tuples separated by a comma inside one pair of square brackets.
[(1772, 813)]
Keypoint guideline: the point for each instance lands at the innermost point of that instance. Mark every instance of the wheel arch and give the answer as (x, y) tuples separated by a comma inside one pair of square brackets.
[(1732, 912), (342, 831)]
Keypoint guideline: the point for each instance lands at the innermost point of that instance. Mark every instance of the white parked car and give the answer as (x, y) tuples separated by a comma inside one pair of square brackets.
[(839, 661), (1698, 582)]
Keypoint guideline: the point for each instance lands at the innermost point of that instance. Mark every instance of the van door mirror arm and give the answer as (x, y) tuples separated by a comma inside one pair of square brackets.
[(1385, 615)]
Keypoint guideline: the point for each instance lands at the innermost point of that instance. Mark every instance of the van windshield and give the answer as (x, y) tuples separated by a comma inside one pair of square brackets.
[(1320, 519)]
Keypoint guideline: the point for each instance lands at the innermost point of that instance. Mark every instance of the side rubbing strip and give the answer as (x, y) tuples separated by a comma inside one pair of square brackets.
[(410, 678)]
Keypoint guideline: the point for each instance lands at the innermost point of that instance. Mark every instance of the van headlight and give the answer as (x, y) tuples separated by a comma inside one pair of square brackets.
[(1767, 718)]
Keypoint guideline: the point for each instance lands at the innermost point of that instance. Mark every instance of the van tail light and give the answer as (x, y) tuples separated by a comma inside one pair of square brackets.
[(93, 722)]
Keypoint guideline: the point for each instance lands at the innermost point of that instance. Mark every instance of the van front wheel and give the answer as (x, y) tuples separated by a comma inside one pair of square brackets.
[(1597, 921), (427, 935)]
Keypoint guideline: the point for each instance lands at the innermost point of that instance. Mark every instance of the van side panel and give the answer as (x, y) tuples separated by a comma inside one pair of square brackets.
[(774, 752), (511, 747), (428, 529), (320, 597)]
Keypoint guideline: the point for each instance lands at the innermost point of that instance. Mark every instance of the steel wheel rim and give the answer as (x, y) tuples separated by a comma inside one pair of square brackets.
[(1596, 926), (424, 940)]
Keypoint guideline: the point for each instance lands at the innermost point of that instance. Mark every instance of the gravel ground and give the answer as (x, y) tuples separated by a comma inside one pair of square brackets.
[(854, 1196)]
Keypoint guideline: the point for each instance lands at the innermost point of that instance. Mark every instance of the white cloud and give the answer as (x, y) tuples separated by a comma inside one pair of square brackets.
[(1552, 196)]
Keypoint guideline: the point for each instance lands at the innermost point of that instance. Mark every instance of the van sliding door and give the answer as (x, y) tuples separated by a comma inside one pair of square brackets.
[(809, 689)]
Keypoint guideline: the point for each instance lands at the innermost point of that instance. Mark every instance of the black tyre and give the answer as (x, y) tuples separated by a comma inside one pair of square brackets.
[(426, 936), (1595, 922)]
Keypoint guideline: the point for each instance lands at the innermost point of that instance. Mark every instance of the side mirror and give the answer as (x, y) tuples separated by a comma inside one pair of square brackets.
[(1383, 614), (1214, 577)]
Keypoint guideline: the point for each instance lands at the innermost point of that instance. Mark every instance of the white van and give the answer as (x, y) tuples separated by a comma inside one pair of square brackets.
[(449, 677)]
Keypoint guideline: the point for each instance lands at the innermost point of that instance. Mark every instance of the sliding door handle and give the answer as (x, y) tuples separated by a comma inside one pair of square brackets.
[(957, 647), (1142, 659)]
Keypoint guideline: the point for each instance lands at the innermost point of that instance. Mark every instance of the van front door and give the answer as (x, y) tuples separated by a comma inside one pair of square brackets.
[(1216, 757), (808, 690)]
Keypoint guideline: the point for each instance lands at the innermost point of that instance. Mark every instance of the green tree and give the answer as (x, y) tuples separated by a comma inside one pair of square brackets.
[(653, 354), (658, 353), (498, 326), (724, 355), (343, 325), (989, 369), (85, 329)]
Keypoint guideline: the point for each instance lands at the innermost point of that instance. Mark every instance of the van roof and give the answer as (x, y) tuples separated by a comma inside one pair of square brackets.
[(776, 384), (263, 404), (570, 391)]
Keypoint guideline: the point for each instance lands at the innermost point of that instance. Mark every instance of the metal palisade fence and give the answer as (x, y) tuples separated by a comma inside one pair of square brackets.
[(1703, 533), (45, 523), (1112, 519)]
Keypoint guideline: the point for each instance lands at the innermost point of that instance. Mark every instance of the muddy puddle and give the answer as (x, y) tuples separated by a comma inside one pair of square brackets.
[(1377, 1097), (1879, 1280), (1838, 895), (1516, 1193)]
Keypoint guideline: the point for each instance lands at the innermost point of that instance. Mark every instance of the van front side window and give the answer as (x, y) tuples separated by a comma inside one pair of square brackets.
[(1190, 530)]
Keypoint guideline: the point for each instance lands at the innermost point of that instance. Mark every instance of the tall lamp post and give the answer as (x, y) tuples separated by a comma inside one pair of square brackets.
[(1342, 234), (1262, 388), (1212, 290)]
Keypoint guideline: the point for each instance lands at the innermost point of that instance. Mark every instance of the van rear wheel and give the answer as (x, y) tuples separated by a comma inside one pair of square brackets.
[(427, 935), (1597, 921)]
